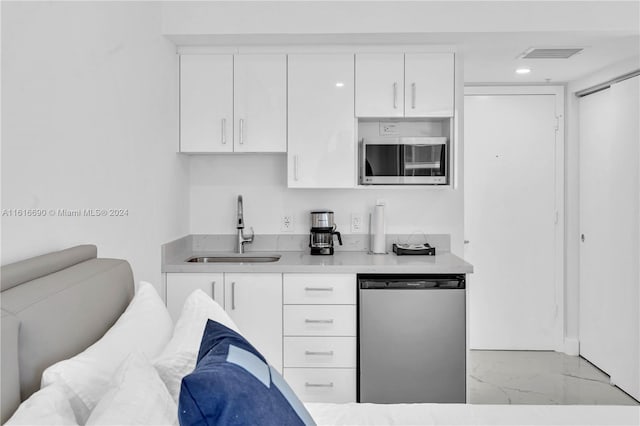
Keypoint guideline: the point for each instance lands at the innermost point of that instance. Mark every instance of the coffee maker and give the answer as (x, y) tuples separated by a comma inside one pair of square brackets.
[(322, 231)]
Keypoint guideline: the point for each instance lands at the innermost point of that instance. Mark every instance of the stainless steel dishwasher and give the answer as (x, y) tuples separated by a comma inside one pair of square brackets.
[(412, 338)]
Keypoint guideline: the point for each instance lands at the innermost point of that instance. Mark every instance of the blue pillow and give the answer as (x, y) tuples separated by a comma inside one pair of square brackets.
[(232, 384)]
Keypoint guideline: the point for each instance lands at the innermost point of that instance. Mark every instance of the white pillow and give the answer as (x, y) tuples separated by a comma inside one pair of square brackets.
[(48, 406), (135, 396), (179, 356), (145, 326)]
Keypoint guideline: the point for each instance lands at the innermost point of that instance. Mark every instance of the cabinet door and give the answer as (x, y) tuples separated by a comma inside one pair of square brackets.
[(380, 85), (429, 85), (260, 103), (206, 103), (321, 146), (254, 302), (180, 286)]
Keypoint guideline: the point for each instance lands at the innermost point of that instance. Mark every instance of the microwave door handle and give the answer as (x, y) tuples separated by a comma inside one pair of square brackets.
[(362, 158)]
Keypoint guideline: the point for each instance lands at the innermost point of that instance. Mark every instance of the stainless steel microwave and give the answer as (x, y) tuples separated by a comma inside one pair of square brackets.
[(404, 161)]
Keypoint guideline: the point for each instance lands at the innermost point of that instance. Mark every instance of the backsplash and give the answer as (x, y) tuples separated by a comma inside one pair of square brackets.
[(217, 180)]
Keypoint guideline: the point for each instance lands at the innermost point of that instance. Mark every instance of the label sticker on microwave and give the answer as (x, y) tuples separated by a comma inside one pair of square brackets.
[(388, 128)]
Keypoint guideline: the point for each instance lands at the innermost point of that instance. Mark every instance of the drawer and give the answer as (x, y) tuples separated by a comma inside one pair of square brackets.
[(319, 289), (335, 352), (319, 320), (322, 384)]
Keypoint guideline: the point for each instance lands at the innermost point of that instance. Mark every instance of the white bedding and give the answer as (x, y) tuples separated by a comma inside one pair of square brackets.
[(468, 414)]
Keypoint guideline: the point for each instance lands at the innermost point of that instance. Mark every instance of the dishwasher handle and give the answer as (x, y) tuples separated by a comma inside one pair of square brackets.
[(392, 282)]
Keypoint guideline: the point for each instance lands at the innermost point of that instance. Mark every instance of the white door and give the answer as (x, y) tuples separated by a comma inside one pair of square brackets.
[(510, 215), (254, 302), (428, 85), (181, 285), (609, 221), (206, 103), (260, 103), (380, 85), (321, 148)]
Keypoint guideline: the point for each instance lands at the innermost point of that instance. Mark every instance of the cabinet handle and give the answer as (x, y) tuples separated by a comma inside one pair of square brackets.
[(395, 95), (318, 385), (295, 167), (213, 290), (413, 95), (233, 295), (318, 321), (241, 131), (318, 288), (327, 353), (224, 131)]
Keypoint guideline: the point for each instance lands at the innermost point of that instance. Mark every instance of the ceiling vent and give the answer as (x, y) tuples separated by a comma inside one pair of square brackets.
[(550, 53)]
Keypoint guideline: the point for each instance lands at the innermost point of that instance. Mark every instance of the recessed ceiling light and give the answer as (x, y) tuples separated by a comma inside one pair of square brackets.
[(339, 84), (523, 71)]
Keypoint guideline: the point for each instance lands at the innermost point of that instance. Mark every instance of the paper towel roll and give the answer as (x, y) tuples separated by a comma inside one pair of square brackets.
[(378, 236)]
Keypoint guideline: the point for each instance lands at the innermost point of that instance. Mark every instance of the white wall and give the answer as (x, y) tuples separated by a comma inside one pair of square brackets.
[(572, 198), (353, 17), (89, 97)]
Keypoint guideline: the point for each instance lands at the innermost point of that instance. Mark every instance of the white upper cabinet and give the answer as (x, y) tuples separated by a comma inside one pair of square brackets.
[(321, 146), (405, 85), (428, 85), (260, 103), (206, 103), (233, 104), (380, 85)]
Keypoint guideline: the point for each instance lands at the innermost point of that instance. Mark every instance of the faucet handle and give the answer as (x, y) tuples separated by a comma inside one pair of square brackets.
[(250, 238)]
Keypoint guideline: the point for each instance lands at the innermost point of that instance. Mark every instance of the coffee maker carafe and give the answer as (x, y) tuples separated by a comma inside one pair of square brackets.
[(322, 231)]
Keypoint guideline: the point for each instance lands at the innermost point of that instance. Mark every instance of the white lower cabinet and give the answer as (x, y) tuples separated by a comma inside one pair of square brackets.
[(311, 339), (253, 301), (320, 336), (181, 285), (329, 352), (320, 320), (323, 384)]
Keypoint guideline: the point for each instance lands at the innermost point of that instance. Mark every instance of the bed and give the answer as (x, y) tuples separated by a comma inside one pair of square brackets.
[(57, 305)]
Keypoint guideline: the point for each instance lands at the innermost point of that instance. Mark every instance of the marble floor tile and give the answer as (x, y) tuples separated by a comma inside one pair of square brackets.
[(538, 377)]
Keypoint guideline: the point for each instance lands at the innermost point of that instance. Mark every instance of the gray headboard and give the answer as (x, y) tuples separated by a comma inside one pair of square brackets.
[(53, 307)]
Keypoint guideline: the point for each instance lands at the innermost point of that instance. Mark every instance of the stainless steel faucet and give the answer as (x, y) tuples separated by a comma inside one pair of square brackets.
[(242, 238)]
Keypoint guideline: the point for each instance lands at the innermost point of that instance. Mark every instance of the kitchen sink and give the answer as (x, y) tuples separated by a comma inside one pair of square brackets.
[(235, 259)]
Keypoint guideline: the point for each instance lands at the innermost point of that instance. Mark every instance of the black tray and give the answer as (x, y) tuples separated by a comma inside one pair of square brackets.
[(425, 250)]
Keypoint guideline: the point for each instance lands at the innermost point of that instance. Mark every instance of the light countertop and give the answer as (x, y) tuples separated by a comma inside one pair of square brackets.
[(340, 262)]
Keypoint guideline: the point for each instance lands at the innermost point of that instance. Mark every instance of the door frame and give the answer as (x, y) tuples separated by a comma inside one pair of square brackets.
[(560, 219)]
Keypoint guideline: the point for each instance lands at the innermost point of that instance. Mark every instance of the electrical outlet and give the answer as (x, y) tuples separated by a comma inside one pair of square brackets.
[(286, 225), (356, 223)]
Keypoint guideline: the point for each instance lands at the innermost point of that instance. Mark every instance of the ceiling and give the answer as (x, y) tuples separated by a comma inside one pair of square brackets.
[(491, 35)]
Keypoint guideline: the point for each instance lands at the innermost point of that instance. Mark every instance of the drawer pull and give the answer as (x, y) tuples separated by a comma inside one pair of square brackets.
[(327, 353), (318, 385), (318, 288), (319, 321)]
